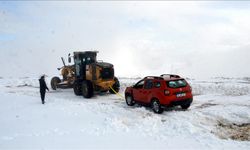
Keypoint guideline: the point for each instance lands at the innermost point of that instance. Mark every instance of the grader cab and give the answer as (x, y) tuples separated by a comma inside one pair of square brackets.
[(87, 75)]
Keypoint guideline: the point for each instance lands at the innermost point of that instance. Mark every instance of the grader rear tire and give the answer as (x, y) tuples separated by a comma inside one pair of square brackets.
[(87, 89), (77, 89), (116, 86)]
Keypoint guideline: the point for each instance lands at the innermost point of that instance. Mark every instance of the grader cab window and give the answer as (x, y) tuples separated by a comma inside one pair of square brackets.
[(77, 65), (89, 60)]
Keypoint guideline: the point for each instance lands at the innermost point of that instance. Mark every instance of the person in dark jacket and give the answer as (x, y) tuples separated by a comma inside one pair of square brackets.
[(43, 88)]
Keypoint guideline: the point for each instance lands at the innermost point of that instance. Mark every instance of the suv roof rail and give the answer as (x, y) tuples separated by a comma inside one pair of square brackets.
[(154, 77), (170, 75)]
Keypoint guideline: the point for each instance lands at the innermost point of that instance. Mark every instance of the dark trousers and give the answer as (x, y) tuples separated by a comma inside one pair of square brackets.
[(42, 93)]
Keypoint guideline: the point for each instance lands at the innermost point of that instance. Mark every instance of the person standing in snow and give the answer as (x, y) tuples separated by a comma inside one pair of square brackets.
[(43, 88)]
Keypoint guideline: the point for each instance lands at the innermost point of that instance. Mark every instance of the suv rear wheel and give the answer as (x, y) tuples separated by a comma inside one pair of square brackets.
[(185, 106), (129, 100), (156, 106)]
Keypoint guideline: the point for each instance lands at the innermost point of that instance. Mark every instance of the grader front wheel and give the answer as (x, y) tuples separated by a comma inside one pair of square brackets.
[(54, 81)]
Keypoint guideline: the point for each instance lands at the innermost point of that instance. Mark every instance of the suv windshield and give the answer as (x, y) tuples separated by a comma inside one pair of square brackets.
[(177, 83), (139, 84)]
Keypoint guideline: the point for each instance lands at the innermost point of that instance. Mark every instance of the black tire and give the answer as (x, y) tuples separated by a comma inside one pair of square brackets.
[(77, 89), (129, 100), (156, 106), (54, 81), (115, 86), (185, 106), (87, 89)]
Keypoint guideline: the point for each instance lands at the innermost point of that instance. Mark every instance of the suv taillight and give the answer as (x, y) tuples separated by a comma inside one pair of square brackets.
[(166, 92), (190, 89)]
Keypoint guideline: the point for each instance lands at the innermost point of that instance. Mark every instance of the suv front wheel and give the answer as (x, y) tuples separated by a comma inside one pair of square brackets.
[(156, 106), (129, 100)]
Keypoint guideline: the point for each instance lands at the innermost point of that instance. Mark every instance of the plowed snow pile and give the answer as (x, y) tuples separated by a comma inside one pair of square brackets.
[(219, 118)]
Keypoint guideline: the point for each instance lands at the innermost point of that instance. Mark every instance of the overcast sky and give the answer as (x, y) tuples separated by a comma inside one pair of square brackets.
[(193, 39)]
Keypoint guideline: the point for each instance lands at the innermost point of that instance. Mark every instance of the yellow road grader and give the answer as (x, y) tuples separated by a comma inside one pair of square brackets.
[(86, 75)]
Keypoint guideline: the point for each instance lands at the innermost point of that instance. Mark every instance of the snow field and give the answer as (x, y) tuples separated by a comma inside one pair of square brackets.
[(67, 121)]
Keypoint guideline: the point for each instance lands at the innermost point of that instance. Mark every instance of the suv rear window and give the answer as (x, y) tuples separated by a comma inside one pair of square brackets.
[(177, 83)]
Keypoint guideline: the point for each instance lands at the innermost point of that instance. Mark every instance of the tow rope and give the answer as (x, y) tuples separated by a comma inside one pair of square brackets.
[(118, 94)]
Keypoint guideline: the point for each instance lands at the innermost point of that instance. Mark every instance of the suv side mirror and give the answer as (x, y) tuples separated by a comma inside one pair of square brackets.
[(69, 58)]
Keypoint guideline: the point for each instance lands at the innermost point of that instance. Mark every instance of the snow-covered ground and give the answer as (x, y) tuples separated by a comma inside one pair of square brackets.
[(219, 118)]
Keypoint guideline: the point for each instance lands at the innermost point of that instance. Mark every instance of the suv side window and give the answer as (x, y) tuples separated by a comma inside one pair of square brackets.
[(139, 85), (149, 84), (157, 84)]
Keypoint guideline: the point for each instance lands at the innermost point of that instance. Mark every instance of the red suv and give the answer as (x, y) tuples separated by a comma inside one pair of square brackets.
[(158, 92)]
